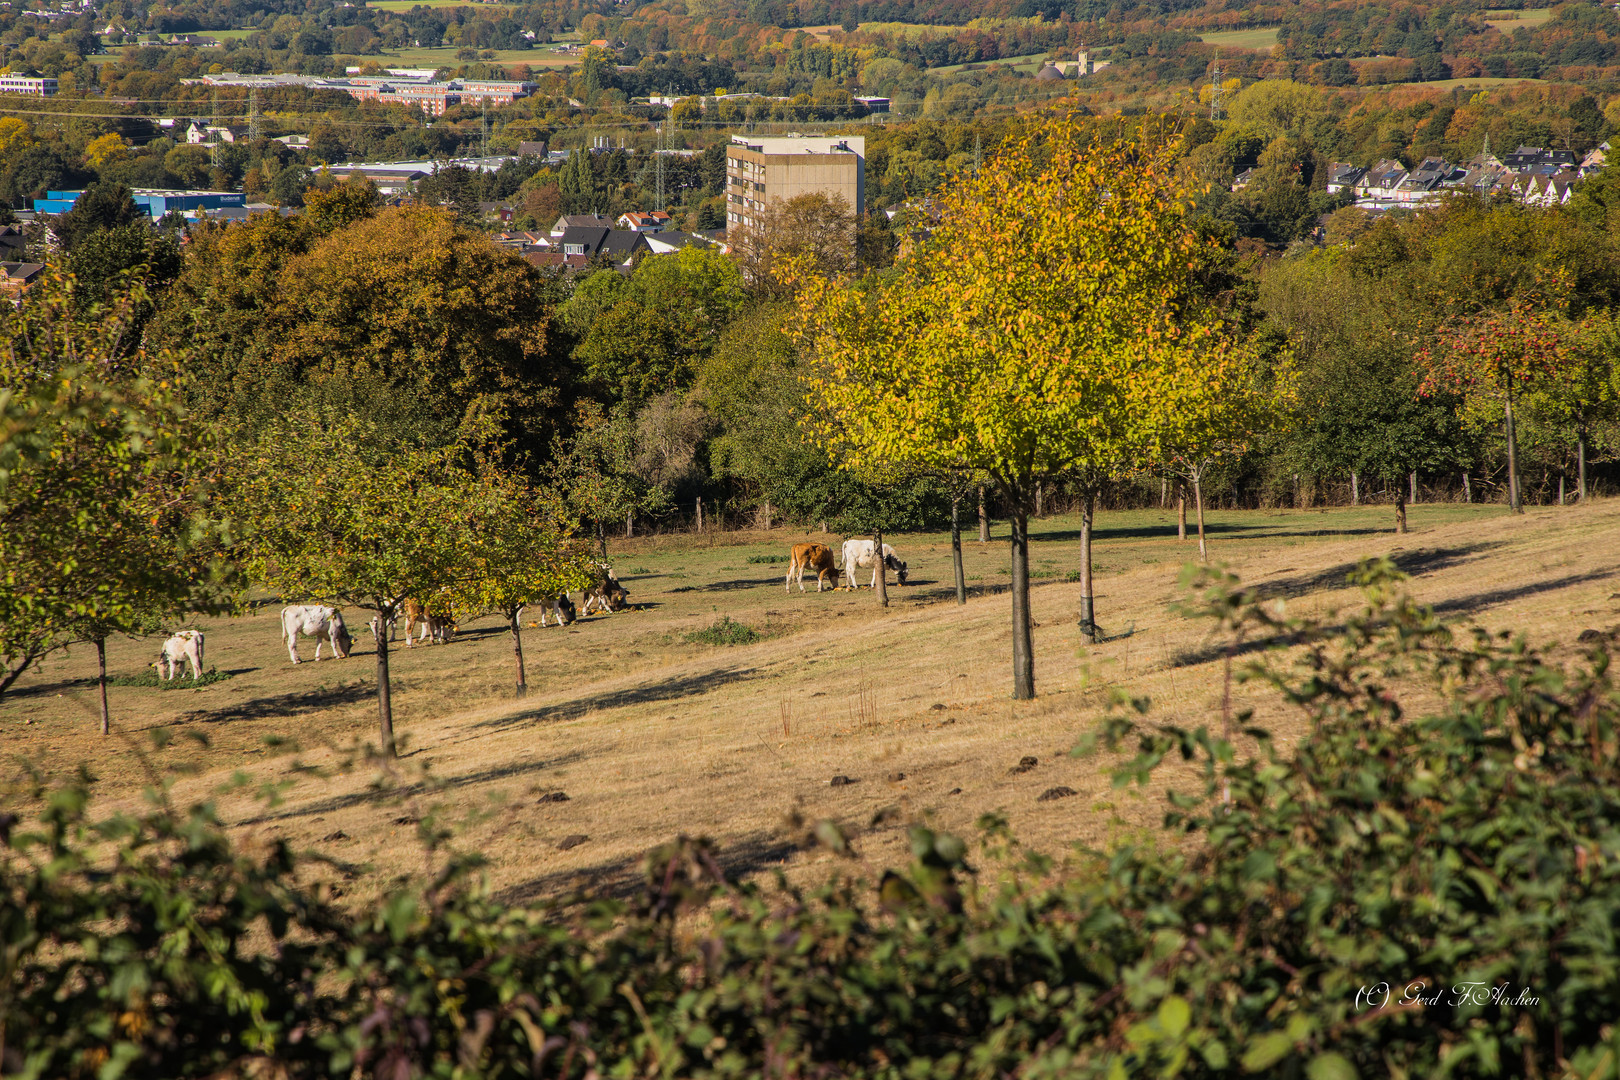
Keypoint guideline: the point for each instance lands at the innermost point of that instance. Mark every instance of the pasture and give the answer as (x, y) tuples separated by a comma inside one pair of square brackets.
[(1509, 21), (650, 730), (1263, 38)]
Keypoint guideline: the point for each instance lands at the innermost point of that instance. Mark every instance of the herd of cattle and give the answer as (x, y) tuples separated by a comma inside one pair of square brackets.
[(425, 623)]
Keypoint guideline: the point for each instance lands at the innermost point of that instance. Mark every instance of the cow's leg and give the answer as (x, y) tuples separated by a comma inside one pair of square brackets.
[(292, 646), (318, 643)]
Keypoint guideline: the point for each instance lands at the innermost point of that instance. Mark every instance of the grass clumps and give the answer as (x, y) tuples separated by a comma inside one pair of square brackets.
[(725, 632), (758, 559), (179, 682)]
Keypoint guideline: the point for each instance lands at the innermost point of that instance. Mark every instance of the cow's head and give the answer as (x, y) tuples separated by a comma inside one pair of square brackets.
[(618, 599), (832, 576), (899, 568), (342, 643), (566, 611)]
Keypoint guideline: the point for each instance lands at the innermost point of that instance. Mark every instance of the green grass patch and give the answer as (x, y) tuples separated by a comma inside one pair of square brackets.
[(1242, 39), (179, 682), (757, 559), (725, 632)]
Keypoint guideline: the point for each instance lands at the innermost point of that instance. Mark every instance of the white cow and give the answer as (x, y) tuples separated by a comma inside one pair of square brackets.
[(324, 624), (184, 647), (375, 624), (858, 555)]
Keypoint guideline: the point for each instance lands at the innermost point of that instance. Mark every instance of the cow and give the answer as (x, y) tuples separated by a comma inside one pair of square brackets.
[(324, 624), (817, 557), (606, 594), (858, 555), (558, 605), (184, 647), (438, 627), (376, 628)]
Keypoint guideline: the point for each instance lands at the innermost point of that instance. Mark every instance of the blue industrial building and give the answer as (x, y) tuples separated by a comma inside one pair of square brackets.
[(154, 201)]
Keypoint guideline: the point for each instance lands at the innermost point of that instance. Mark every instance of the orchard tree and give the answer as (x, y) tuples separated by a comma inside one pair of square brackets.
[(338, 516), (1494, 358), (519, 550), (1585, 397), (101, 526), (1024, 340)]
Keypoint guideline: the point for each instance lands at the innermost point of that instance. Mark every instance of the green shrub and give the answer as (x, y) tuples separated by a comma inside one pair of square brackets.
[(756, 559), (725, 632), (1450, 814)]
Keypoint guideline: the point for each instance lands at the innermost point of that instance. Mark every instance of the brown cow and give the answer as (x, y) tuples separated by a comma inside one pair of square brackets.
[(815, 557), (438, 627)]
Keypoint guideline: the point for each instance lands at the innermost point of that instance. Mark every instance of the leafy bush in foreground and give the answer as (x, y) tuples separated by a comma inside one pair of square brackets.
[(1468, 841)]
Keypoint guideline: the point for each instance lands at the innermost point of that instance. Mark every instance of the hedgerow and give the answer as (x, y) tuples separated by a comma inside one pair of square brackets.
[(1448, 818)]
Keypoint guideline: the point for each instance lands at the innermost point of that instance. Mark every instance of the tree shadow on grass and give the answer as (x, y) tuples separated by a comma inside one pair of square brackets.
[(728, 586), (623, 878), (280, 705), (1416, 563), (1467, 605), (690, 686), (1239, 530), (507, 771)]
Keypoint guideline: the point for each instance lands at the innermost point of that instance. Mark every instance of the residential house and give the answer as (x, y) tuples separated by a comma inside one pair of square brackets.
[(671, 241), (557, 260), (580, 221), (1343, 176), (16, 277), (205, 134), (1536, 159), (616, 244), (498, 210), (13, 242), (644, 221), (1593, 161), (532, 149)]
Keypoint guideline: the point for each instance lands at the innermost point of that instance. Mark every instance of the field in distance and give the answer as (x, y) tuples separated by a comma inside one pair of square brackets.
[(1242, 39), (650, 729)]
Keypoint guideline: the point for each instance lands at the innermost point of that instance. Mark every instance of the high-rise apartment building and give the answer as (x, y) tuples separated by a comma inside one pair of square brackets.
[(763, 170)]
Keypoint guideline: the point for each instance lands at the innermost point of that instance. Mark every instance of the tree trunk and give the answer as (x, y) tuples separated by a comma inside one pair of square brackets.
[(1181, 510), (1580, 463), (956, 549), (385, 699), (1198, 497), (629, 523), (1510, 428), (700, 513), (1400, 509), (1560, 489), (1023, 641), (101, 681), (1040, 499), (1088, 598), (1164, 492), (984, 519), (1355, 490), (1468, 492), (1414, 498), (881, 568), (517, 651), (601, 540)]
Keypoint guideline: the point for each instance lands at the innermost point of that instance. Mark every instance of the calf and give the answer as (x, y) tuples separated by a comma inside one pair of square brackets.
[(606, 594), (858, 555), (324, 624), (815, 557), (182, 648), (438, 627), (559, 606)]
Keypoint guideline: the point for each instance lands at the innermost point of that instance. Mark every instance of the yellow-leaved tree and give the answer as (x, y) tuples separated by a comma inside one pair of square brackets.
[(1027, 339)]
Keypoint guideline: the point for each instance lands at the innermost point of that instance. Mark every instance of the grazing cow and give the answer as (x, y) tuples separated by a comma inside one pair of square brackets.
[(376, 628), (324, 624), (606, 594), (558, 605), (185, 647), (438, 627), (817, 557), (858, 555)]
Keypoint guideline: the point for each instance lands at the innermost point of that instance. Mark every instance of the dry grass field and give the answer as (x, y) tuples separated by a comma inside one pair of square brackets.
[(650, 734), (1262, 38)]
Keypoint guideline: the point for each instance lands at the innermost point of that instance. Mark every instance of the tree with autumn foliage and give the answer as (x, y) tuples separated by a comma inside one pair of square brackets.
[(1028, 338), (1494, 358), (519, 550)]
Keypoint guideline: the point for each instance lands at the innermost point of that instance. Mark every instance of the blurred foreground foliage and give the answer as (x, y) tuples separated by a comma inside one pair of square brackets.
[(1448, 818)]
